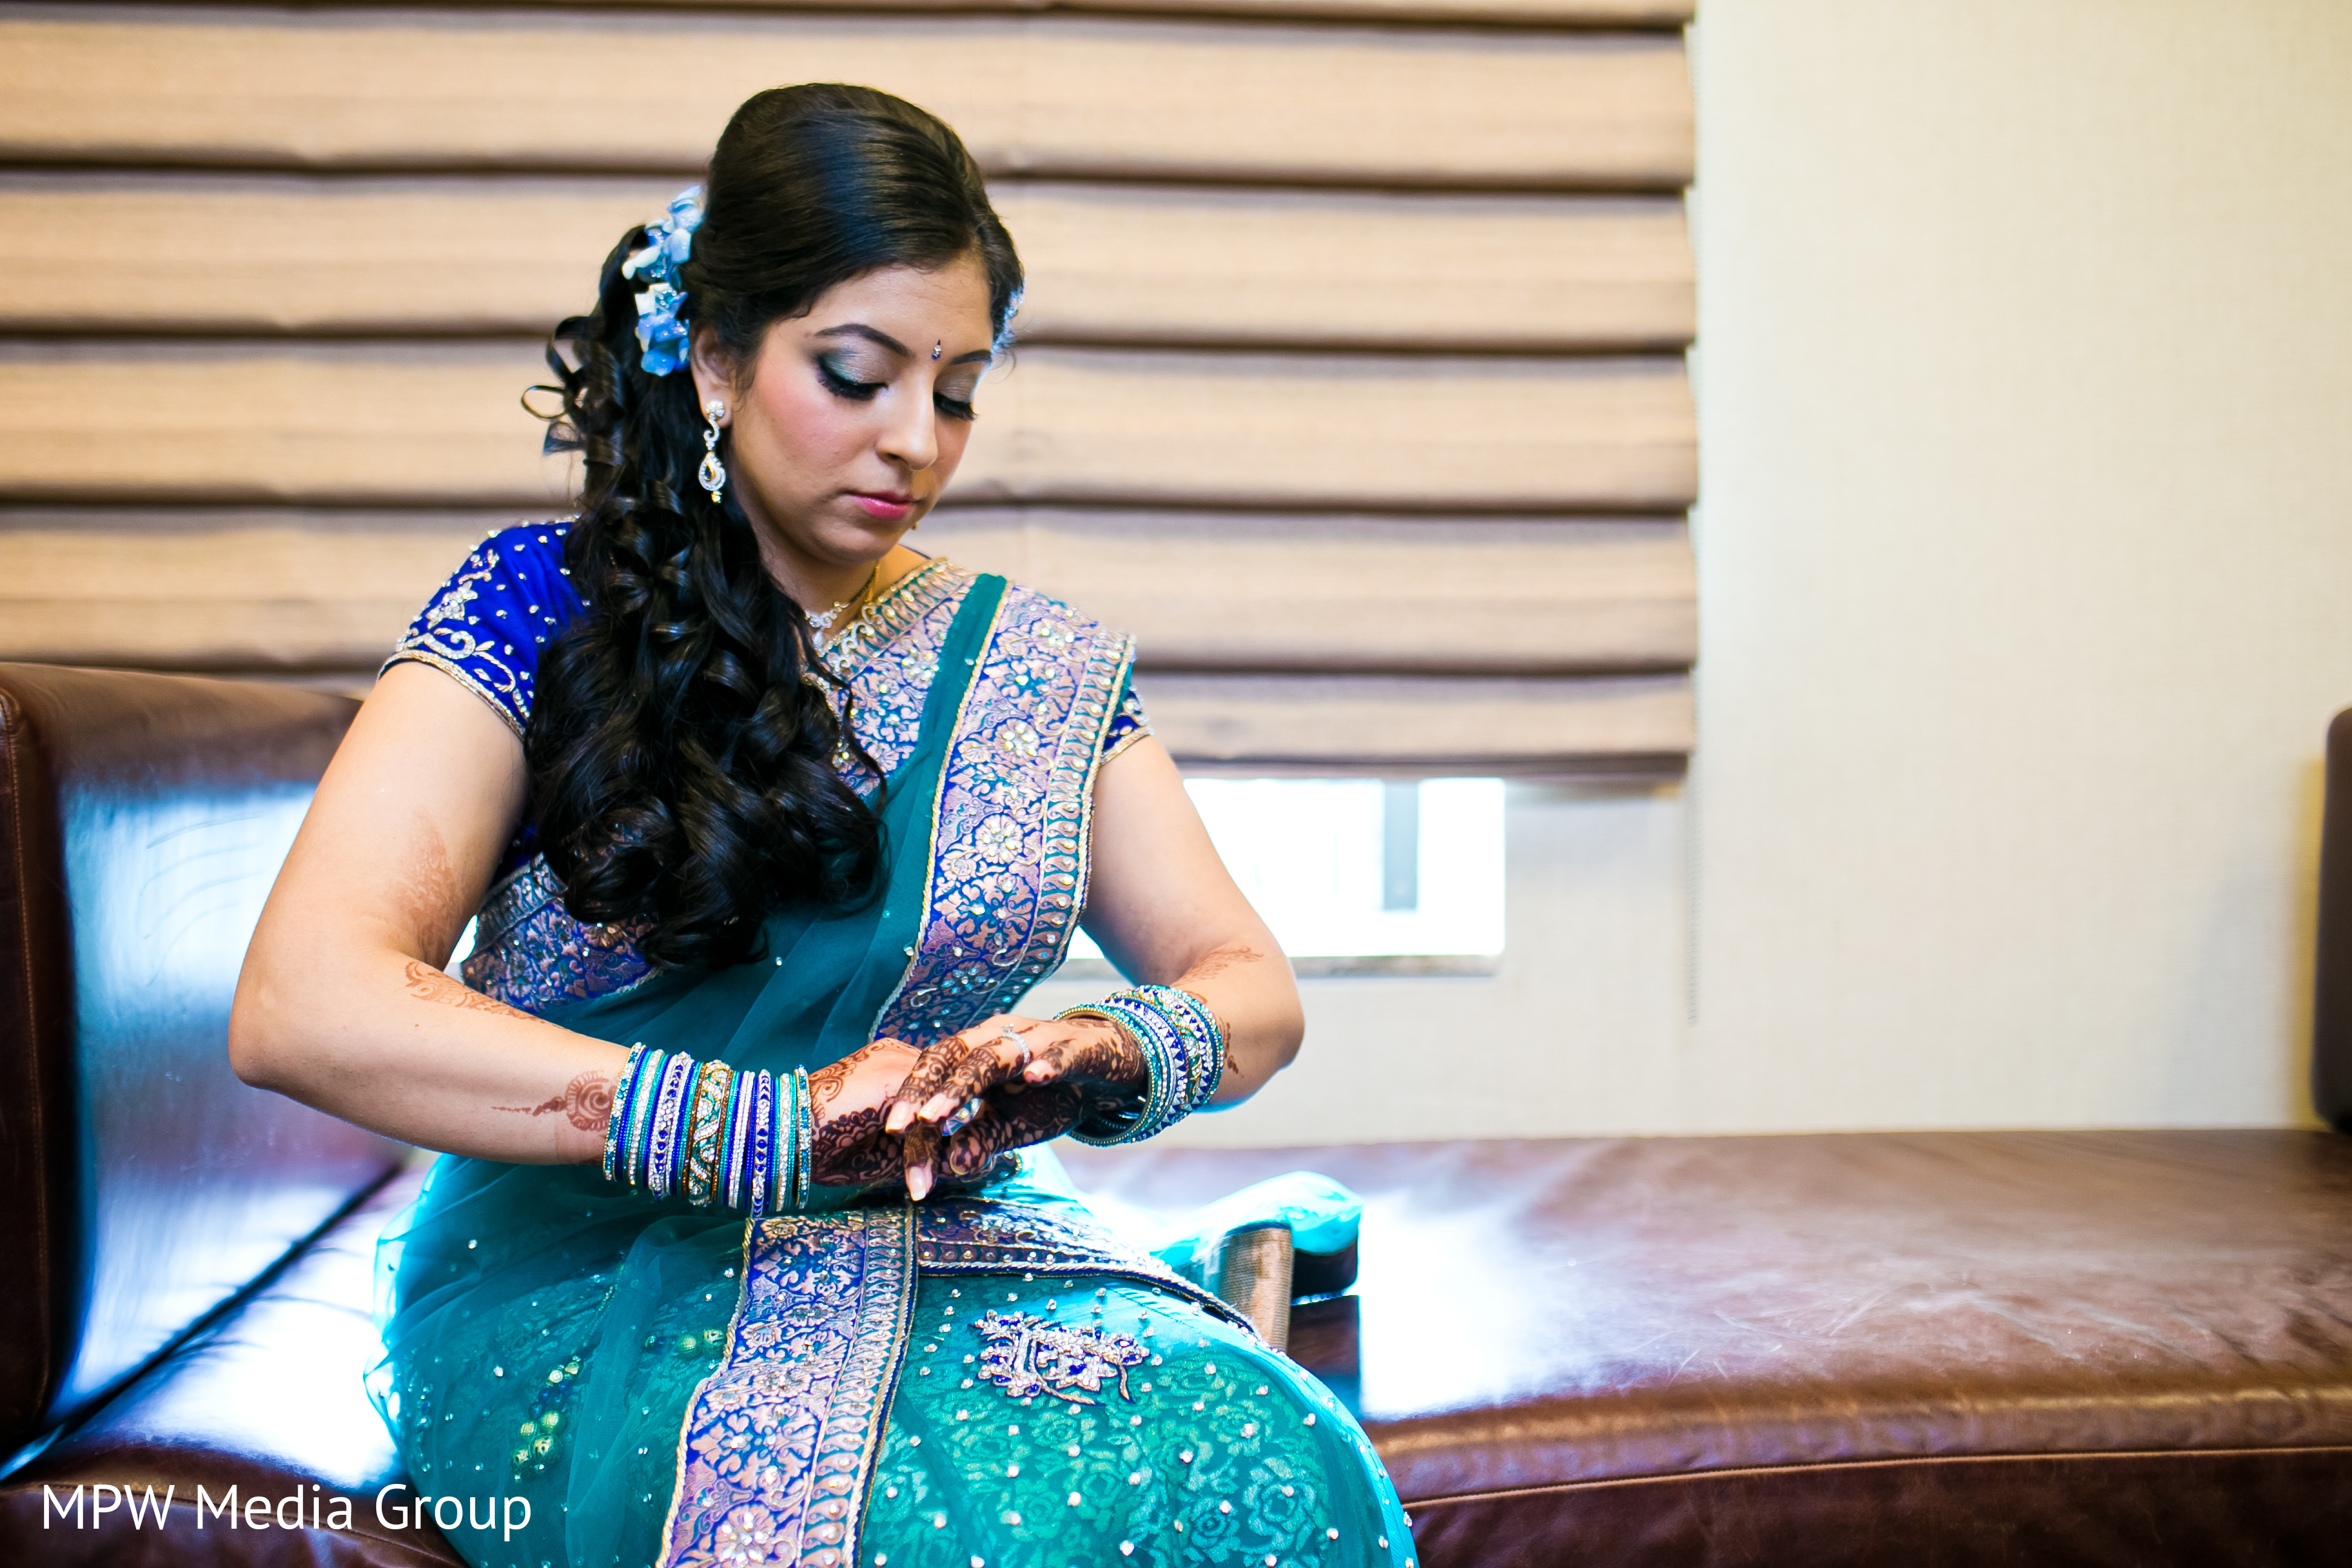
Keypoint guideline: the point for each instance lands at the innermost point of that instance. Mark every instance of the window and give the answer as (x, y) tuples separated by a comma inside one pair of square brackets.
[(1361, 876)]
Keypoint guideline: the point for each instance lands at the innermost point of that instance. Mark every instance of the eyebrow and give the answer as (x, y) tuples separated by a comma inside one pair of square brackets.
[(883, 340)]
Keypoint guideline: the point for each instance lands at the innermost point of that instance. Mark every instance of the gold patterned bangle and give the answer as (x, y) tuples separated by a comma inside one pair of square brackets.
[(712, 1083)]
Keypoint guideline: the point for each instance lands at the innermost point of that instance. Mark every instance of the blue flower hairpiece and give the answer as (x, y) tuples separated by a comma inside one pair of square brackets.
[(661, 336)]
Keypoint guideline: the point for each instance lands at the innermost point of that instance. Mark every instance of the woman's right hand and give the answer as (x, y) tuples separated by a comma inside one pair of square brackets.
[(849, 1148)]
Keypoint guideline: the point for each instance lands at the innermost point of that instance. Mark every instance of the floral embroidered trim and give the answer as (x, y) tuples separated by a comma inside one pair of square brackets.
[(1030, 1357), (528, 953), (1009, 829), (780, 1440), (979, 1237), (889, 659), (904, 603)]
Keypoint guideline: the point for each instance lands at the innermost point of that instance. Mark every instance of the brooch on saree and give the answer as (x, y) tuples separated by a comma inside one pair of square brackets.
[(1030, 1356)]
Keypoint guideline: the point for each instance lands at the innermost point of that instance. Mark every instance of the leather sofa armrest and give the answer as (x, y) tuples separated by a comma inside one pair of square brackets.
[(2331, 1016), (142, 820)]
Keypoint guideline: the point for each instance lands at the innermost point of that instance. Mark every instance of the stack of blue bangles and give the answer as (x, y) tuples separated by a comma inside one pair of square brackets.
[(1183, 1047), (743, 1139)]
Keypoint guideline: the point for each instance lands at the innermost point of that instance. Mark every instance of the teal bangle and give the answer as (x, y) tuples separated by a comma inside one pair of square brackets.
[(805, 1139), (782, 1193), (1182, 1058), (616, 1120)]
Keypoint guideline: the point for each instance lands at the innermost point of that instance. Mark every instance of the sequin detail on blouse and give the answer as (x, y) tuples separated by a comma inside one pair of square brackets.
[(487, 625)]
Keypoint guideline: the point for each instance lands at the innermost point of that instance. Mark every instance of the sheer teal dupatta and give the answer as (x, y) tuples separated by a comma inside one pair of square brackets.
[(547, 1333)]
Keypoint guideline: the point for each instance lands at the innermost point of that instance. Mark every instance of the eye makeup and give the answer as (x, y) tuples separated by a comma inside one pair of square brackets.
[(851, 377), (845, 376)]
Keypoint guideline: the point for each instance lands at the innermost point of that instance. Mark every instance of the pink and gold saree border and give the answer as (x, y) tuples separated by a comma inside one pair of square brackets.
[(1010, 825), (780, 1440)]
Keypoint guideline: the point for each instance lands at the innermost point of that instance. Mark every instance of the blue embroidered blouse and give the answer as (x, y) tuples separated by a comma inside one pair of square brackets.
[(487, 625)]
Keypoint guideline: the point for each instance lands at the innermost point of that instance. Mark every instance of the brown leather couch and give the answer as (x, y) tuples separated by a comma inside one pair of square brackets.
[(2123, 1348)]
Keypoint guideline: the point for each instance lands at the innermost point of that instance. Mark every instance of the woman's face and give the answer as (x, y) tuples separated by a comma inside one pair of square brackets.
[(855, 416)]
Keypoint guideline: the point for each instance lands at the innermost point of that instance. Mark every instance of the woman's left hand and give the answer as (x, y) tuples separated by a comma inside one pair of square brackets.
[(1003, 1083)]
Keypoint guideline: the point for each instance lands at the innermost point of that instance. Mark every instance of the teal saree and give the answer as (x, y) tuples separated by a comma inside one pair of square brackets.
[(991, 1377)]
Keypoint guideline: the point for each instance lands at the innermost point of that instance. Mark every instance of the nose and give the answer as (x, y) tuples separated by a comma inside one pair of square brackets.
[(912, 437)]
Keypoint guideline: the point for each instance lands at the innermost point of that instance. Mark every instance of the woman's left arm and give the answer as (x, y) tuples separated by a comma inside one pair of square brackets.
[(1165, 910)]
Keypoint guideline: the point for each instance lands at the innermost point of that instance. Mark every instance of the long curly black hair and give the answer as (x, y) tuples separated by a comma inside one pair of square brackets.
[(681, 766)]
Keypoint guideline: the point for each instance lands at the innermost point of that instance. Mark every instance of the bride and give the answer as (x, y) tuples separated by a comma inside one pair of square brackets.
[(740, 1251)]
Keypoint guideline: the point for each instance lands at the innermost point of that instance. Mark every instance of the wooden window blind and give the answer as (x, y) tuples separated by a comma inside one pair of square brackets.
[(1350, 374)]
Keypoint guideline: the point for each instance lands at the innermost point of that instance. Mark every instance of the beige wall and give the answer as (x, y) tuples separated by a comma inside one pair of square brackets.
[(2025, 396)]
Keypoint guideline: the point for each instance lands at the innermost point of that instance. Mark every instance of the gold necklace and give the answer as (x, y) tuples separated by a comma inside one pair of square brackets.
[(824, 625)]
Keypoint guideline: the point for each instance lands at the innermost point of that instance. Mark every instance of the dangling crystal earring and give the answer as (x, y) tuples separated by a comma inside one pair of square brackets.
[(713, 473)]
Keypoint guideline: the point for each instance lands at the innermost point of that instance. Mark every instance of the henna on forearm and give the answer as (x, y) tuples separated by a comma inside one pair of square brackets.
[(587, 1101), (426, 894), (430, 984), (1212, 965), (1216, 960)]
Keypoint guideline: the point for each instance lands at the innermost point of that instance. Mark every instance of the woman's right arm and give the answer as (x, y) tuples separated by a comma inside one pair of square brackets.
[(343, 1003)]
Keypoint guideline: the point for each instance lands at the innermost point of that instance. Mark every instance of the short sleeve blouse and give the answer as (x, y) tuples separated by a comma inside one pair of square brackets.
[(487, 625)]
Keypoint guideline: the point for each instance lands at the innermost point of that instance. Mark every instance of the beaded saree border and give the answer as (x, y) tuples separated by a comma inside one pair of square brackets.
[(888, 660), (990, 1238), (530, 954), (779, 1442), (1008, 865)]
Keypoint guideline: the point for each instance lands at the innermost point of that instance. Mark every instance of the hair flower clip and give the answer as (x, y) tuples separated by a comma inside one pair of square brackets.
[(669, 241)]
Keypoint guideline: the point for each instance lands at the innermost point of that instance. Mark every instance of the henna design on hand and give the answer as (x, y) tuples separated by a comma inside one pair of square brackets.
[(587, 1101), (1011, 1121), (1062, 1071), (428, 984), (955, 1070), (850, 1151), (849, 1147)]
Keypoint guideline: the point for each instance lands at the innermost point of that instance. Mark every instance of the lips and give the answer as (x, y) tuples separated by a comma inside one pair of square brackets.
[(886, 506)]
